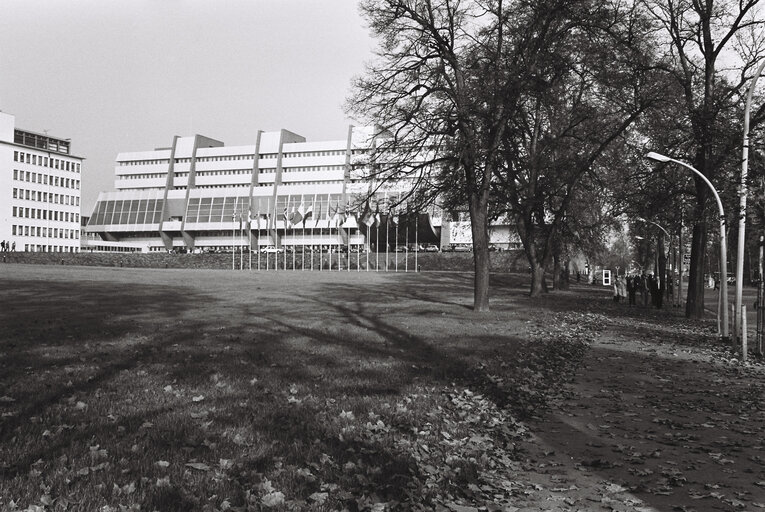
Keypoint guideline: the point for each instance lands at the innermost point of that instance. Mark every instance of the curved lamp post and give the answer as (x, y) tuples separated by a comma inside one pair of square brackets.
[(742, 207), (723, 244), (641, 219)]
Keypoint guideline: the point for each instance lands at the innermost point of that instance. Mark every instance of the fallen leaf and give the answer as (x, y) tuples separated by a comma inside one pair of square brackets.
[(200, 466), (319, 497), (273, 499)]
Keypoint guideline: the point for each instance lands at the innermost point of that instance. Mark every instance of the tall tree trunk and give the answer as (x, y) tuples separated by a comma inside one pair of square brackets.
[(538, 286), (537, 279), (556, 271), (565, 282), (694, 306), (662, 270), (480, 231)]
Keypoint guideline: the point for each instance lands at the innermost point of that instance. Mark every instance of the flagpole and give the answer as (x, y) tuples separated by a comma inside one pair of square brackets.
[(366, 248), (377, 244), (416, 243), (233, 241), (395, 244), (258, 239), (387, 237), (302, 235), (241, 245), (329, 225), (406, 252)]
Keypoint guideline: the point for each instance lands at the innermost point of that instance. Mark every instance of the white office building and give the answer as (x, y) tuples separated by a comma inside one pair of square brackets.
[(39, 190), (282, 191)]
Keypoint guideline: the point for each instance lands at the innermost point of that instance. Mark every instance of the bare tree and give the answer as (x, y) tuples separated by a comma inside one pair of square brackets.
[(442, 88)]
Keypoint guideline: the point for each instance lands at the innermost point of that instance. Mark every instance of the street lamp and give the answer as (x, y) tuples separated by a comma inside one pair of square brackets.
[(641, 219), (742, 208), (723, 245)]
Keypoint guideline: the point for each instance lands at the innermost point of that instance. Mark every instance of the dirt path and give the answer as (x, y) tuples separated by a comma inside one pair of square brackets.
[(651, 425)]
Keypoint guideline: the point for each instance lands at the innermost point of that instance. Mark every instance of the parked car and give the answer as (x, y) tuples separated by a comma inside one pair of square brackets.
[(431, 248), (462, 248), (401, 248), (271, 249)]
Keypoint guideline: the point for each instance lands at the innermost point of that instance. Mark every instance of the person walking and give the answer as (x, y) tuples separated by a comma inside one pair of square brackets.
[(631, 289), (622, 287), (645, 289)]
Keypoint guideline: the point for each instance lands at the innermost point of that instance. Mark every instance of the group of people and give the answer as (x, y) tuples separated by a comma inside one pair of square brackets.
[(626, 287), (7, 246)]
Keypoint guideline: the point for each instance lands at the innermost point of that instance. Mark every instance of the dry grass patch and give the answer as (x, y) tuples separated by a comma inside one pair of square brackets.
[(209, 390)]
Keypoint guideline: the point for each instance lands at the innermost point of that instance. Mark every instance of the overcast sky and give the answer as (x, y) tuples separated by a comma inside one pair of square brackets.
[(128, 75)]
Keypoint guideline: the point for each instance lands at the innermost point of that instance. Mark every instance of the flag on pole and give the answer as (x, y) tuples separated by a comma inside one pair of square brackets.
[(349, 220), (337, 217), (368, 219), (249, 218), (297, 215), (308, 214), (318, 215)]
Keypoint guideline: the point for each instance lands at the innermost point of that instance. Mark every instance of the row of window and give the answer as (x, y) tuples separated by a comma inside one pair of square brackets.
[(314, 169), (45, 197), (144, 176), (263, 156), (315, 153), (291, 183), (110, 248), (220, 173), (49, 248), (45, 232), (39, 213), (145, 162), (44, 161), (38, 177)]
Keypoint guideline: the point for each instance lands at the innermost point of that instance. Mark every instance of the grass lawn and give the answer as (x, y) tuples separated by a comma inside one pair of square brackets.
[(141, 389)]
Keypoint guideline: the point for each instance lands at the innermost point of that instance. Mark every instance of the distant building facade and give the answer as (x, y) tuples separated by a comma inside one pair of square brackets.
[(39, 190), (283, 192)]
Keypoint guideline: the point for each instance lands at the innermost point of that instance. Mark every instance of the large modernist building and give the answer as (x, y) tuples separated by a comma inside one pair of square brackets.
[(198, 194), (39, 190)]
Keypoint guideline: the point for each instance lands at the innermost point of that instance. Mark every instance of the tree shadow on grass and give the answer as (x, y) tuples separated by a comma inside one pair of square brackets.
[(71, 343)]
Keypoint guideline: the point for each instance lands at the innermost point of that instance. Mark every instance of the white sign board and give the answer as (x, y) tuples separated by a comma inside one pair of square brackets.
[(606, 278)]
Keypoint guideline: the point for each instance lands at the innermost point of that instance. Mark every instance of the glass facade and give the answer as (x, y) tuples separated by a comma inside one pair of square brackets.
[(128, 211)]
